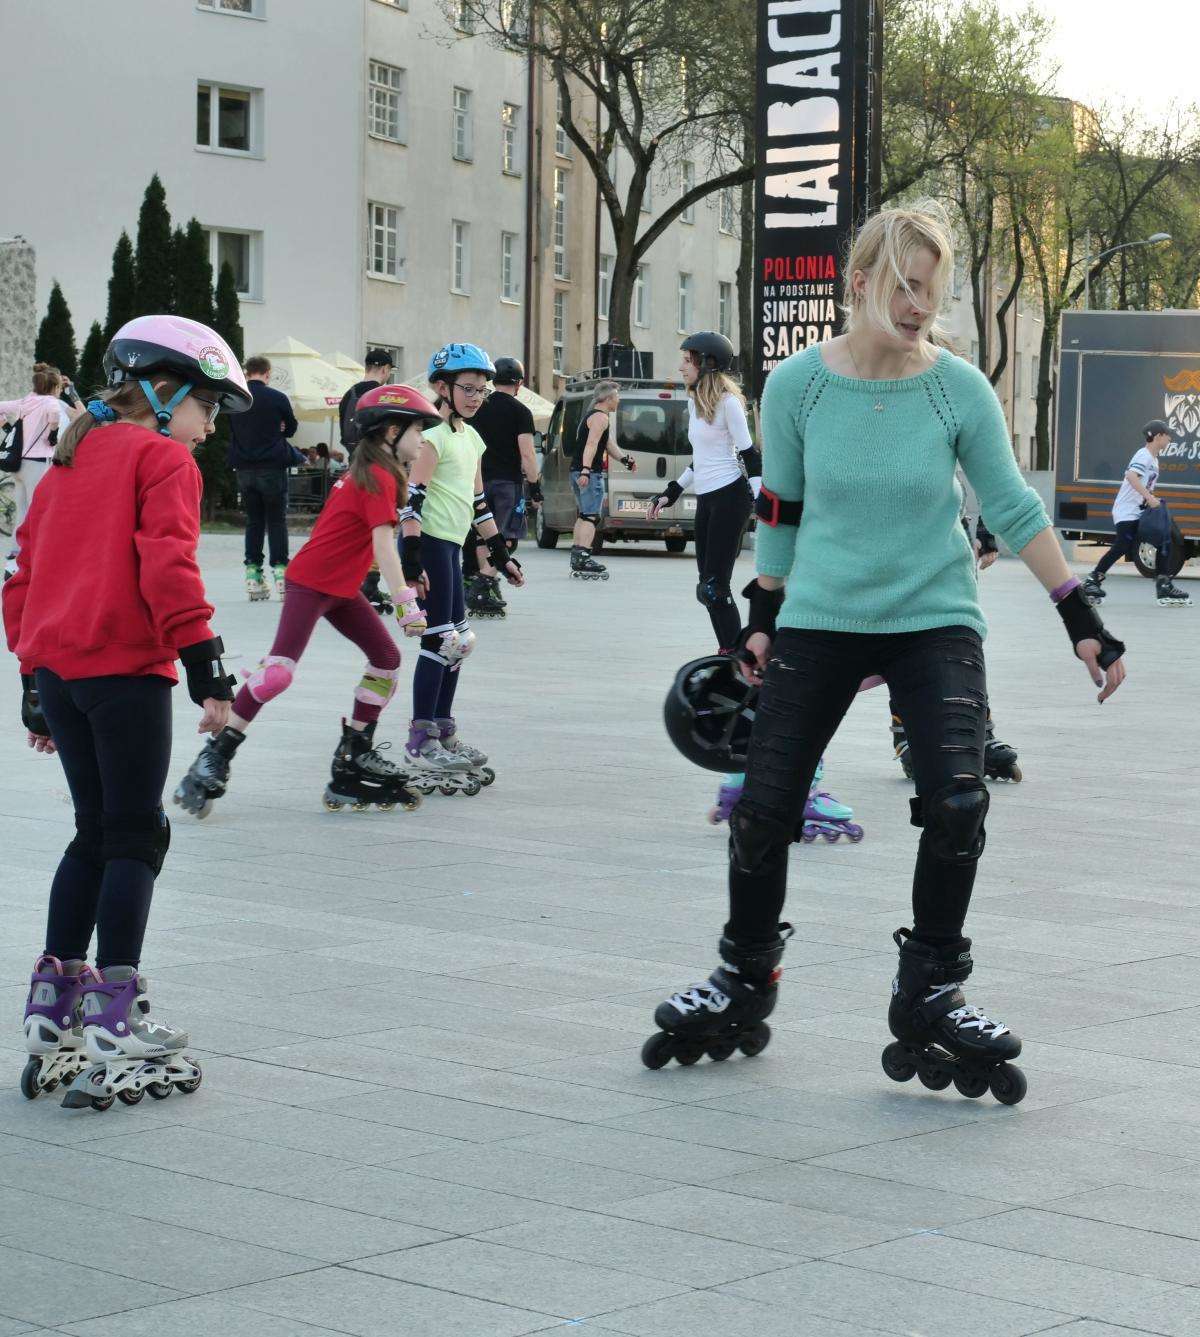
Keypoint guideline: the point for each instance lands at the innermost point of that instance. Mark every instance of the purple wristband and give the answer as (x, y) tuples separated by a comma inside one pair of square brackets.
[(1058, 595)]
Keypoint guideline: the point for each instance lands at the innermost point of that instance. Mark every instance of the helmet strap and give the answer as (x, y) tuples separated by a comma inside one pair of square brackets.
[(163, 412)]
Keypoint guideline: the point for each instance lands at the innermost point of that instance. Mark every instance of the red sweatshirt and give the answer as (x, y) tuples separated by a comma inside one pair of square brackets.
[(108, 581)]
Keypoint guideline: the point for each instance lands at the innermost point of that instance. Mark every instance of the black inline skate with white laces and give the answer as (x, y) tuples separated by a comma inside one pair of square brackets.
[(359, 776), (727, 1012), (1168, 595), (585, 567), (208, 775), (940, 1037)]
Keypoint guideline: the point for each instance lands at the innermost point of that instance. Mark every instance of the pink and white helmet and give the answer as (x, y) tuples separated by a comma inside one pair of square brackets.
[(183, 347)]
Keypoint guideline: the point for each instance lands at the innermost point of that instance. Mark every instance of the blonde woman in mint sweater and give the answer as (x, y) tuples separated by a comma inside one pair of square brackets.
[(862, 435)]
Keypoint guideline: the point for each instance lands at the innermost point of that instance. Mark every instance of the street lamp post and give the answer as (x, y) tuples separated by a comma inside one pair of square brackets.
[(1153, 240)]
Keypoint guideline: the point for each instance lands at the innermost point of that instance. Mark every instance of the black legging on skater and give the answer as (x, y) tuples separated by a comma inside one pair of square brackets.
[(113, 737), (721, 519), (936, 678), (435, 680)]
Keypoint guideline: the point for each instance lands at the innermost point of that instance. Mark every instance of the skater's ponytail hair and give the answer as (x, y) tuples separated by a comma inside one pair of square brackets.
[(127, 403), (373, 449), (884, 249)]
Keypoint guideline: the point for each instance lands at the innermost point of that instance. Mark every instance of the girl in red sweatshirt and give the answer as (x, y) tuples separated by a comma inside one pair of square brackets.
[(324, 579), (97, 651)]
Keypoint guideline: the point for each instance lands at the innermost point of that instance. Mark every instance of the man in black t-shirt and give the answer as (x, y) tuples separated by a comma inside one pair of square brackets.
[(378, 371), (509, 464)]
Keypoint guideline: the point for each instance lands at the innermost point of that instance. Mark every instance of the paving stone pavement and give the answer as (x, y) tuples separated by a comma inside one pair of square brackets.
[(423, 1110)]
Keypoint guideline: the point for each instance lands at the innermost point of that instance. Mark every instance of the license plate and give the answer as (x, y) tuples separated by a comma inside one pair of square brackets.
[(632, 504), (689, 503)]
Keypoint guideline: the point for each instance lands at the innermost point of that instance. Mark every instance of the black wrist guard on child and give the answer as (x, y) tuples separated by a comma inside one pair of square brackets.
[(31, 707), (206, 676), (670, 494), (410, 556), (499, 555), (1083, 624), (764, 608)]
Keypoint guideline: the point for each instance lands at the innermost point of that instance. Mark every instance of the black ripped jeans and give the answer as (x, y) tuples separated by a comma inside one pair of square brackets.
[(936, 678)]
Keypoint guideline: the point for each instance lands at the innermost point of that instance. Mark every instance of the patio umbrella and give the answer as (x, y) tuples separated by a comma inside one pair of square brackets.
[(314, 386)]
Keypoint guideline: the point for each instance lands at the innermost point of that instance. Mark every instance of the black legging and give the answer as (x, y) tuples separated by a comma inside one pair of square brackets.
[(1125, 544), (435, 679), (936, 678), (113, 737), (721, 519)]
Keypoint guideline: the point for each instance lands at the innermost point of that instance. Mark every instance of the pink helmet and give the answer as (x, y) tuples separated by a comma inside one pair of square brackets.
[(185, 348)]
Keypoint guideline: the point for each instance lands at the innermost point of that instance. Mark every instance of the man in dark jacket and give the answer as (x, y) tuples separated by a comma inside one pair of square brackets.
[(378, 371), (260, 454)]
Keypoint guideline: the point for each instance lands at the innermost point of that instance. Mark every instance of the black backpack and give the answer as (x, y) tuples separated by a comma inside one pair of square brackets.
[(349, 426), (12, 447)]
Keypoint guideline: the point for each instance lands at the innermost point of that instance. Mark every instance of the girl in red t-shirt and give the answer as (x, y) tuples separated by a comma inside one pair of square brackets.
[(356, 527)]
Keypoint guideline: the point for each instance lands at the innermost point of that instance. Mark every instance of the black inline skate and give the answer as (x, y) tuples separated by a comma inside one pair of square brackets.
[(585, 567), (1168, 595), (999, 759), (209, 773), (940, 1038), (727, 1012), (376, 595), (481, 602), (360, 776), (1093, 589)]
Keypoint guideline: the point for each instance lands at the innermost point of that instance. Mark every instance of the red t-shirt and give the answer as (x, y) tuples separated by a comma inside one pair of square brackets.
[(338, 554)]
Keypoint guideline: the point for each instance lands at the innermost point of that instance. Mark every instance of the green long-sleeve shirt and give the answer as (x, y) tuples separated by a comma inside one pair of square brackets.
[(879, 547)]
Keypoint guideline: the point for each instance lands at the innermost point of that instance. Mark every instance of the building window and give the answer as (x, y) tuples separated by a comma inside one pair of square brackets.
[(462, 124), (242, 251), (512, 18), (560, 332), (226, 118), (687, 181), (641, 296), (385, 258), (397, 356), (1016, 374), (510, 139), (648, 194), (726, 214), (974, 352), (560, 224), (464, 19), (1037, 375), (562, 145), (960, 275), (685, 302), (510, 287), (604, 286), (385, 89), (251, 8), (460, 256), (395, 4), (725, 309)]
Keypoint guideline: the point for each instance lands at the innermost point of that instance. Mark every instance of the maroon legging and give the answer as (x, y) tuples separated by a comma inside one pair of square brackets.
[(355, 618)]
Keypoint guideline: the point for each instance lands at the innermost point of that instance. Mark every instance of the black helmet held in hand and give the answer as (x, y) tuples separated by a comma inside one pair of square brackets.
[(509, 371), (713, 351), (709, 712)]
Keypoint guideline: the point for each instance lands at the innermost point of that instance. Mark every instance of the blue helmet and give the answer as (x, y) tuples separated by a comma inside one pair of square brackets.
[(459, 357)]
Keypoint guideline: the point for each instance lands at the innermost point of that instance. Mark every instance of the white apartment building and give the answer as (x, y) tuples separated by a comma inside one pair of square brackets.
[(373, 176)]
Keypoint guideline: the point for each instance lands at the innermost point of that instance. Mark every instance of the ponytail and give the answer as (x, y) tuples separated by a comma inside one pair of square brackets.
[(125, 402)]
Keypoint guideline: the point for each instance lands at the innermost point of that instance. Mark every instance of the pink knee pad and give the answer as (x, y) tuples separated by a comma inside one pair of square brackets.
[(273, 675), (377, 686)]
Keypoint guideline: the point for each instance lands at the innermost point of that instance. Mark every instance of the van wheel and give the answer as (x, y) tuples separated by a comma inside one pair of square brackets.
[(1144, 555), (546, 537), (676, 544)]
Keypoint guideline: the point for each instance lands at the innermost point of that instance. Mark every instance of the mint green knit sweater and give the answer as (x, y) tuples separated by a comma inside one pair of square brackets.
[(879, 547)]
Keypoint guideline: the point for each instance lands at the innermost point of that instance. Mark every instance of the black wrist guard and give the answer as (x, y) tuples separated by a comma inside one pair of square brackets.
[(1083, 624), (670, 494), (764, 608), (206, 676), (499, 555), (535, 493), (410, 556), (31, 707)]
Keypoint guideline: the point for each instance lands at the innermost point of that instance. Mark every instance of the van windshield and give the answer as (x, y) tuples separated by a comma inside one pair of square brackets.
[(655, 426)]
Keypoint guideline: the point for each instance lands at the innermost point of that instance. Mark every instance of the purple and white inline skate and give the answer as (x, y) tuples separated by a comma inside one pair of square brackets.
[(53, 1027), (727, 797), (824, 816)]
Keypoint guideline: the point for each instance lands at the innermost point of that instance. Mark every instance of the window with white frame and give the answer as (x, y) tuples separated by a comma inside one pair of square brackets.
[(1017, 374), (725, 309), (604, 286), (560, 332), (251, 8), (395, 4), (560, 224), (641, 296), (512, 18), (227, 118), (461, 125), (385, 101), (685, 302), (510, 286), (974, 352), (395, 352), (648, 194), (960, 275), (385, 254), (510, 138), (562, 145), (460, 256), (726, 211), (241, 250), (687, 181), (1036, 376), (464, 19)]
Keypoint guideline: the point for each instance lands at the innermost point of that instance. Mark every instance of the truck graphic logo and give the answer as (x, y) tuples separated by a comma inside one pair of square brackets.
[(1182, 405)]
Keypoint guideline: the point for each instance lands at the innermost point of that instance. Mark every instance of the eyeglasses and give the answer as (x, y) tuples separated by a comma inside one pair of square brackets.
[(213, 407), (472, 391)]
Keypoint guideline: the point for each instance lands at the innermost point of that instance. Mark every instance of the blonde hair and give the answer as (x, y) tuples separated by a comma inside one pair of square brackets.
[(884, 249), (710, 388), (127, 401)]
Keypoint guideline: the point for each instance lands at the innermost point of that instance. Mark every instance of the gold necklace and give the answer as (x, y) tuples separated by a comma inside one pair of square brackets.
[(879, 404)]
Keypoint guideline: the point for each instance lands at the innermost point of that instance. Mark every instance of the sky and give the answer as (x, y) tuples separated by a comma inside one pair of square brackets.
[(1144, 52)]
